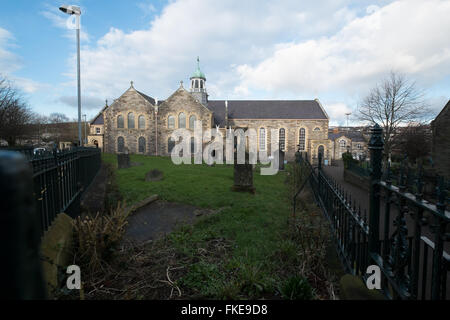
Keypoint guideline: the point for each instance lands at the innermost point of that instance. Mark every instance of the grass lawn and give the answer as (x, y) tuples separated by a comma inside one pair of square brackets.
[(259, 255)]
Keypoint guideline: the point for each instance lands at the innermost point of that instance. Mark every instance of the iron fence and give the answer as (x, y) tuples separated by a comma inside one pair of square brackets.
[(395, 233), (59, 179)]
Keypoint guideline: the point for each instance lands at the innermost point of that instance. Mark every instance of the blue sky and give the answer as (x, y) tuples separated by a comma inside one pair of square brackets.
[(332, 50)]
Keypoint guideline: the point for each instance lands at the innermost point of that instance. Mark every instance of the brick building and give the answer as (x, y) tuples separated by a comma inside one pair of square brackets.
[(143, 125)]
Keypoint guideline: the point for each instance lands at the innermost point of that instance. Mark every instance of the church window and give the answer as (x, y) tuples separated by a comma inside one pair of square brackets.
[(141, 122), (131, 120), (171, 122), (97, 130), (120, 123), (192, 120), (262, 139), (342, 143), (120, 144), (141, 144), (302, 139), (182, 120), (316, 129), (282, 137), (196, 84), (201, 84), (359, 146)]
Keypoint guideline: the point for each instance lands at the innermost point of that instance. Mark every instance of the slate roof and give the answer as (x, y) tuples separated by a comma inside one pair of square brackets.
[(354, 136), (148, 98), (98, 119), (266, 109)]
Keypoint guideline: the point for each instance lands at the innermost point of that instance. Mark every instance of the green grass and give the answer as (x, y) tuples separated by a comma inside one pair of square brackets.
[(254, 224)]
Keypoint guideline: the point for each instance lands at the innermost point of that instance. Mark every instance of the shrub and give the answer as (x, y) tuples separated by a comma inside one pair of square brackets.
[(296, 288), (98, 237)]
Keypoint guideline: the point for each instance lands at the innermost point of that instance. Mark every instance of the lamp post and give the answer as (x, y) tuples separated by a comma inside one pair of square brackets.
[(74, 10), (85, 134)]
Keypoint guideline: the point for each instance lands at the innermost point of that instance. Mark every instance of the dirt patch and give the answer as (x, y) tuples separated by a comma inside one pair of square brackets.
[(159, 218)]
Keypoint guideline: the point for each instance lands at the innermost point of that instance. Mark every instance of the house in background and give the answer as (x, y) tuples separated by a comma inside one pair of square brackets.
[(441, 141), (349, 140)]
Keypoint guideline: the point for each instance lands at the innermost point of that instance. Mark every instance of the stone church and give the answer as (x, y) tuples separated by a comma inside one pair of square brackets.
[(143, 125)]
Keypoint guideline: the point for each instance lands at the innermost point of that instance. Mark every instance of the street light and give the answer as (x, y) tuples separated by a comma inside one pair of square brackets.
[(74, 10), (85, 135)]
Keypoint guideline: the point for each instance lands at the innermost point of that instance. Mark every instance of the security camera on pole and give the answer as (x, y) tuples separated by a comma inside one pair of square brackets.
[(74, 10)]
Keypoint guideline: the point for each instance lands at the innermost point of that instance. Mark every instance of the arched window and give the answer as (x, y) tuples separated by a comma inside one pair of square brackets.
[(182, 120), (342, 143), (262, 139), (171, 122), (141, 122), (196, 84), (192, 122), (170, 144), (131, 120), (302, 139), (316, 129), (141, 144), (201, 84), (359, 146), (120, 144), (282, 137), (120, 123)]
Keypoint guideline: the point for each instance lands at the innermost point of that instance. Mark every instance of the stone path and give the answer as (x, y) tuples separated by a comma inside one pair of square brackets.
[(159, 218)]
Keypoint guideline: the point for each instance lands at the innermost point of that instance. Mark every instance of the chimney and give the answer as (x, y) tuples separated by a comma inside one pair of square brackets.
[(226, 113)]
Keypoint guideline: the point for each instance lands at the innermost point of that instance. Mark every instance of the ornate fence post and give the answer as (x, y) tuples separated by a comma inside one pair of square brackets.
[(20, 267), (376, 155)]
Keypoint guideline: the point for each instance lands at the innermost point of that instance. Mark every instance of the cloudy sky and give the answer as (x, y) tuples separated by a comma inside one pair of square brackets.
[(253, 49)]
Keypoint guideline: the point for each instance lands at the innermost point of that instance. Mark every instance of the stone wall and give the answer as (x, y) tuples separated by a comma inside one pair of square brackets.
[(313, 138)]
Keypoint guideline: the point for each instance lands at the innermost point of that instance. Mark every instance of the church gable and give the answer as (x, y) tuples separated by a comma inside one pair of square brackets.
[(182, 102)]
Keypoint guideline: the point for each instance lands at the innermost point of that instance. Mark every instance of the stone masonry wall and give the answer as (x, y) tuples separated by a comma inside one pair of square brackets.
[(130, 101)]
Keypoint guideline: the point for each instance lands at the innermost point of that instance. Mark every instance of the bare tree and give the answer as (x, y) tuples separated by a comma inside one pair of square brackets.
[(14, 113), (393, 103)]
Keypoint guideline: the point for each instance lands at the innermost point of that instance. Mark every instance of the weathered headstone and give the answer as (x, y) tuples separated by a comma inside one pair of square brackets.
[(123, 160), (281, 160), (154, 175), (243, 175)]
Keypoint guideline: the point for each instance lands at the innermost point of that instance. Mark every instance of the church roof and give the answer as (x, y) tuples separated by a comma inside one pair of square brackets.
[(266, 109), (98, 119), (148, 98)]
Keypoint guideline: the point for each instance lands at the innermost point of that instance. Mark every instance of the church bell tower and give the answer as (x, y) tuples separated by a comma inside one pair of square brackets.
[(198, 88)]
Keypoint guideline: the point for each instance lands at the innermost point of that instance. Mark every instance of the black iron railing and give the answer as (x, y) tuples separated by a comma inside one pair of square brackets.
[(59, 179), (402, 234)]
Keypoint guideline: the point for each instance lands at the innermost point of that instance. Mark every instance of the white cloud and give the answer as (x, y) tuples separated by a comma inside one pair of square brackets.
[(223, 33), (407, 36), (285, 49), (9, 62)]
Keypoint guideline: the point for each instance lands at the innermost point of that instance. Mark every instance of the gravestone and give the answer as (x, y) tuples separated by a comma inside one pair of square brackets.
[(243, 175), (154, 175), (123, 160), (281, 160)]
